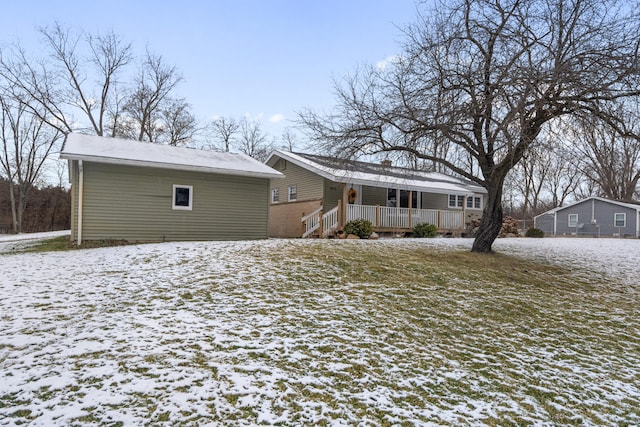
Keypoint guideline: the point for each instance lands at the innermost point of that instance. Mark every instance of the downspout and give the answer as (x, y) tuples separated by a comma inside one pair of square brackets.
[(555, 223), (80, 196)]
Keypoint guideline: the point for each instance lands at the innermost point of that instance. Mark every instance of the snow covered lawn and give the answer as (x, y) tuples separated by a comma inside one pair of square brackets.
[(307, 332)]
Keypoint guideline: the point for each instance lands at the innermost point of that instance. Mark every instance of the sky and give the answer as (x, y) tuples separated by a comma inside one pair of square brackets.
[(261, 59)]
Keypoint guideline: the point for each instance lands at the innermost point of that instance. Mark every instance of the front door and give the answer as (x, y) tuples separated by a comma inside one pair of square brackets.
[(400, 198)]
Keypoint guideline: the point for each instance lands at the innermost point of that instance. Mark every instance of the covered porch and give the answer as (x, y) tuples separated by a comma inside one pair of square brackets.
[(384, 219)]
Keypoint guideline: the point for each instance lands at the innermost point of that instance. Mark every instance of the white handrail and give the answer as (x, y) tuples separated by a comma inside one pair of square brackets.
[(311, 222), (329, 221)]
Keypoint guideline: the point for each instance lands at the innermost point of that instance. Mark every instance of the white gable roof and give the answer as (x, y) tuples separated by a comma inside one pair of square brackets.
[(134, 153), (602, 199), (377, 176)]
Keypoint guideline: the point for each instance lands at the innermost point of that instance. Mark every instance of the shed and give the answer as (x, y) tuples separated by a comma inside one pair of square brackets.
[(592, 217), (140, 191)]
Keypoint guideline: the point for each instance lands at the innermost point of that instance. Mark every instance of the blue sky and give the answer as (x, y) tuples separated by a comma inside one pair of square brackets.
[(267, 59)]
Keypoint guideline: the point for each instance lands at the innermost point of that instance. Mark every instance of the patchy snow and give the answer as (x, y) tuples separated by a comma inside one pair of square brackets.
[(15, 242), (248, 333)]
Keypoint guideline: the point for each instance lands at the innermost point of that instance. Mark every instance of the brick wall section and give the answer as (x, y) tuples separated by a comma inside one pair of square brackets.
[(284, 218)]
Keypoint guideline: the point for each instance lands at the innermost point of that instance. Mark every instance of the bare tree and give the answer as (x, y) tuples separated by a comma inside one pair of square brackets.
[(611, 162), (252, 140), (177, 122), (152, 86), (547, 173), (484, 78), (26, 142), (225, 130), (70, 80)]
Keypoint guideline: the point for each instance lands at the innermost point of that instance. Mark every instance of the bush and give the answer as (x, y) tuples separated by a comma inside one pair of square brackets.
[(425, 230), (359, 227), (534, 232)]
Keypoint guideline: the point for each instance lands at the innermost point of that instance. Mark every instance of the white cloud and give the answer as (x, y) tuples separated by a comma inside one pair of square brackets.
[(276, 118), (389, 60)]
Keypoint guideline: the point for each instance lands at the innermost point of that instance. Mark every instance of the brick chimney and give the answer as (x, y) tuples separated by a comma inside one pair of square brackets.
[(386, 163)]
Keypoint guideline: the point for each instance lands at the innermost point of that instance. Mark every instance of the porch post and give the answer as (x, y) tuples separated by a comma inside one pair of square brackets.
[(340, 215), (464, 211), (410, 207), (345, 202), (377, 216)]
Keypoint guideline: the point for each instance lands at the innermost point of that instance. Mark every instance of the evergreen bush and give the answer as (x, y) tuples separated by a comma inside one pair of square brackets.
[(359, 227), (534, 232), (425, 230)]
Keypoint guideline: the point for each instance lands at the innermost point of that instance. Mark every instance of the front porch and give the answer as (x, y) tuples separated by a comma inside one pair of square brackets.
[(384, 219)]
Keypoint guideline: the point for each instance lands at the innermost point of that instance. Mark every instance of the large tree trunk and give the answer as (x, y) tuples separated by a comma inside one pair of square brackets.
[(491, 221)]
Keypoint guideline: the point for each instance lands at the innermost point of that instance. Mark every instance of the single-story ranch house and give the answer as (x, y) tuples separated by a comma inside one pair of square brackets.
[(591, 217), (139, 191), (320, 194)]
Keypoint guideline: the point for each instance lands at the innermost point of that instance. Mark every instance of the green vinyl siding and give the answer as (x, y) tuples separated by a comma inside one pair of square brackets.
[(332, 193), (135, 203), (309, 186)]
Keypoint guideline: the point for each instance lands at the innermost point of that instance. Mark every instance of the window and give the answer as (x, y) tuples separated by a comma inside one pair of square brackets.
[(456, 201), (474, 202), (620, 220), (275, 195), (293, 193), (182, 197), (573, 220)]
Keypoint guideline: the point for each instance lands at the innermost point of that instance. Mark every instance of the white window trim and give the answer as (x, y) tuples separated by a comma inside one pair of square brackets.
[(275, 191), (289, 198), (624, 219), (569, 222), (457, 196), (473, 199), (173, 198)]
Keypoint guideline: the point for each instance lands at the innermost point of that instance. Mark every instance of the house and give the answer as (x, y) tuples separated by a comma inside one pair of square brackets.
[(320, 194), (592, 217), (138, 191)]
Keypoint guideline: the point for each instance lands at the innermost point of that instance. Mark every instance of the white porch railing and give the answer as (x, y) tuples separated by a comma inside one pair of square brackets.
[(330, 221), (399, 218), (311, 222)]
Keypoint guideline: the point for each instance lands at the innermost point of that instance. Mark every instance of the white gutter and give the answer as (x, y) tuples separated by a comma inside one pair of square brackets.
[(80, 197), (555, 223)]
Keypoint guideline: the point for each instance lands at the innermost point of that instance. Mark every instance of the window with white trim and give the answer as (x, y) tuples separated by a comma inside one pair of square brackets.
[(293, 193), (474, 202), (456, 201), (620, 220), (275, 195), (573, 220), (182, 198)]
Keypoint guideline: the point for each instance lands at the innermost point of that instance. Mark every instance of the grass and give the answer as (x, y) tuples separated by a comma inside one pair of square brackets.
[(63, 243), (376, 333)]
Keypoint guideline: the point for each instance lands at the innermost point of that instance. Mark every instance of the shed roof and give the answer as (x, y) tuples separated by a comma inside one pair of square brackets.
[(376, 175), (134, 153), (601, 199)]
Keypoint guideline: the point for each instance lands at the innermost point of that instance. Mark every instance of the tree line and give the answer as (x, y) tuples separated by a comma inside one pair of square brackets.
[(46, 209)]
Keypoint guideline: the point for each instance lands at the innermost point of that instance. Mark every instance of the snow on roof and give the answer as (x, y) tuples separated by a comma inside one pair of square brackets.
[(376, 175), (128, 152)]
